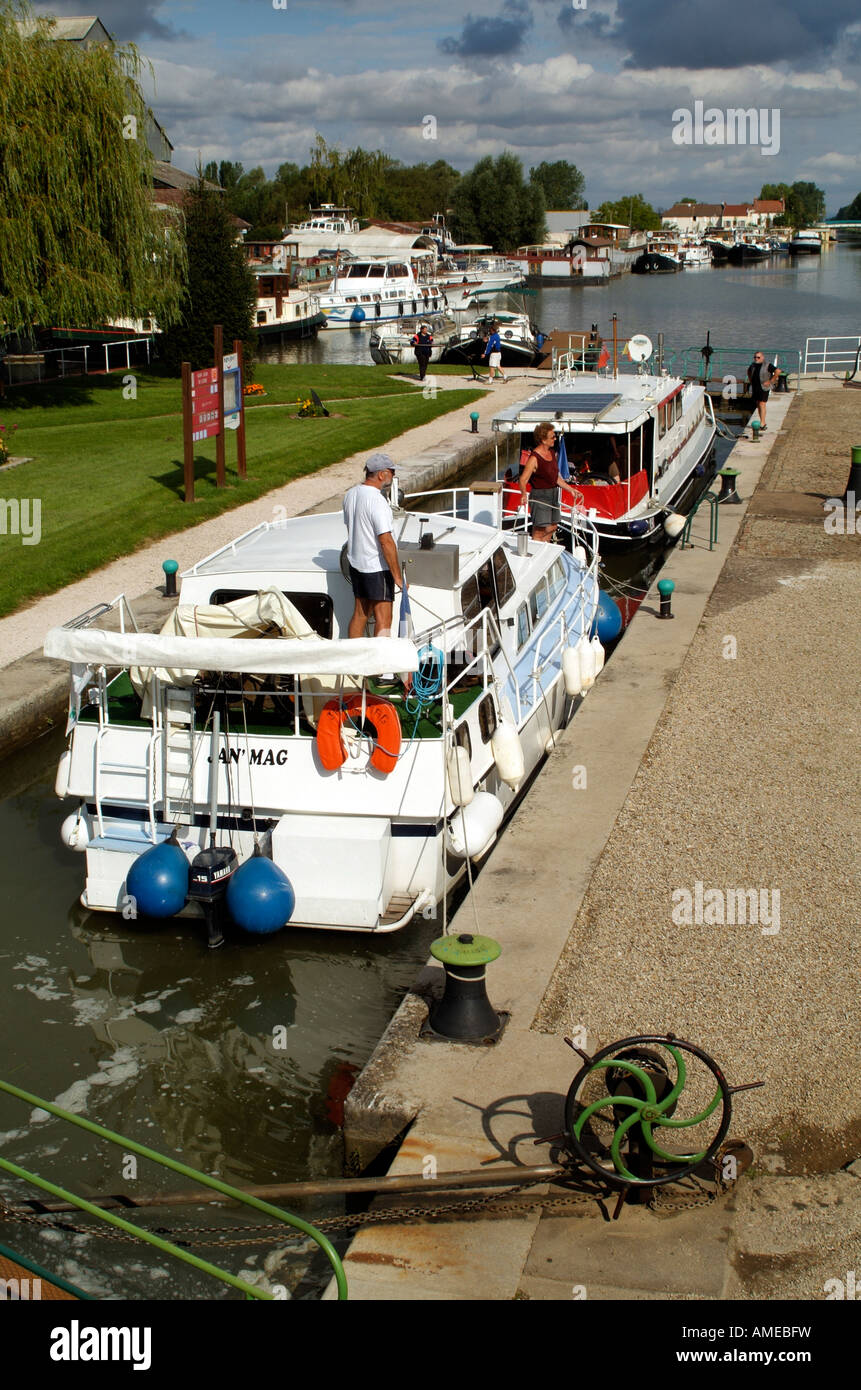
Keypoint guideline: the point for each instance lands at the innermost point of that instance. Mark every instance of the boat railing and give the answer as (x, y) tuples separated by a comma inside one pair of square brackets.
[(120, 604), (166, 1247), (730, 364), (477, 638), (831, 354)]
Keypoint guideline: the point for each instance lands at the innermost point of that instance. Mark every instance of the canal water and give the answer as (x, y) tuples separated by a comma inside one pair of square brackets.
[(774, 304), (150, 1034)]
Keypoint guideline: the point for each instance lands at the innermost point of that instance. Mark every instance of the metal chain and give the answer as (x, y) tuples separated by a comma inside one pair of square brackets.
[(487, 1205)]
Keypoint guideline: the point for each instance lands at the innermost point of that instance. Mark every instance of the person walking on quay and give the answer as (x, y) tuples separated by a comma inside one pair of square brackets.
[(761, 378), (542, 468), (493, 353), (422, 347), (371, 550)]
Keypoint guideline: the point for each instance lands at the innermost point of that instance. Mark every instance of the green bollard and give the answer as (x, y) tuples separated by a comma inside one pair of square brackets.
[(170, 568), (473, 415), (465, 1014)]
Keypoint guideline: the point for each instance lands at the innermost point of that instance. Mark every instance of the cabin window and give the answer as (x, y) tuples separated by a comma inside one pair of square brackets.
[(487, 719), (679, 411), (662, 421), (377, 272), (261, 316), (523, 625), (556, 579), (538, 602), (317, 609), (505, 586), (461, 736)]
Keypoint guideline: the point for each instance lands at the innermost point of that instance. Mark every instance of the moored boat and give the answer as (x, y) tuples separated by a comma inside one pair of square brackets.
[(522, 343), (660, 255), (636, 446), (806, 243), (251, 740), (373, 291), (393, 342)]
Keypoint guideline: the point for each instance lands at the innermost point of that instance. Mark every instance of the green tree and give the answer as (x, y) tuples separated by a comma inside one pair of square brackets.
[(221, 288), (632, 211), (82, 242), (852, 211), (563, 184), (804, 203), (493, 204)]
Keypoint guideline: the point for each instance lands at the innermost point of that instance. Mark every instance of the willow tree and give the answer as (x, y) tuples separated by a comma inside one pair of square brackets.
[(81, 242)]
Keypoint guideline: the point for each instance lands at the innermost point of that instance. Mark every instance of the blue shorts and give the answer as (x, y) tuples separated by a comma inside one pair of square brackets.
[(376, 587)]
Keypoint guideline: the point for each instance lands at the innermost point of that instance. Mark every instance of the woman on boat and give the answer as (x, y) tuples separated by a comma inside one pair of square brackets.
[(542, 471)]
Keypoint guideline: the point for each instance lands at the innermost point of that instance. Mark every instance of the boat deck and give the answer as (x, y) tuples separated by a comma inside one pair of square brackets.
[(268, 714)]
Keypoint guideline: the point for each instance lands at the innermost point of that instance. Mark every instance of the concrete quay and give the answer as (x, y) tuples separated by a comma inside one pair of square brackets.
[(34, 691), (725, 762)]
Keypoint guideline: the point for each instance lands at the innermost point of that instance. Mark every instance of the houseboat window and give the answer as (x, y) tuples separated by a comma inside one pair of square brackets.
[(679, 410), (317, 609), (538, 602), (462, 737), (261, 316), (487, 719), (377, 272), (523, 625), (662, 421), (505, 586), (556, 579)]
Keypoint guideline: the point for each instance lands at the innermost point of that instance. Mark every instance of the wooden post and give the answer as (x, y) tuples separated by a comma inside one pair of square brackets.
[(218, 349), (187, 441), (240, 433)]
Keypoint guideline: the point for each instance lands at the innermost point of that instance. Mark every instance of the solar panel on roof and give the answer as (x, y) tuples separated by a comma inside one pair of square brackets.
[(569, 403)]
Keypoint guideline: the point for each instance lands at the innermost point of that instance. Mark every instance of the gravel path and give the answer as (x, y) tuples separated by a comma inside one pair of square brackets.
[(751, 781)]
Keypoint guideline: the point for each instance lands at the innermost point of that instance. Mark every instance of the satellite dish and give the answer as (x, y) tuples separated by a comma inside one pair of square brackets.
[(639, 347)]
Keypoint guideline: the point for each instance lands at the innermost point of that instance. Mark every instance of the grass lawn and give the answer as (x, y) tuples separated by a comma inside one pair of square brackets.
[(108, 471)]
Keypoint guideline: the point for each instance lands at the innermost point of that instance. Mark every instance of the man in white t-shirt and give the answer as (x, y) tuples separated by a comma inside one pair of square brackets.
[(371, 551)]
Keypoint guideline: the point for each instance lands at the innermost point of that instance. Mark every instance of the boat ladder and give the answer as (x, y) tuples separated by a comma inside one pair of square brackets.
[(179, 754)]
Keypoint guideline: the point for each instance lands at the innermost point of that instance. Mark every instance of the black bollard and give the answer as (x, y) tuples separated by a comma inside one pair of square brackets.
[(854, 483), (665, 589), (465, 1014), (170, 568)]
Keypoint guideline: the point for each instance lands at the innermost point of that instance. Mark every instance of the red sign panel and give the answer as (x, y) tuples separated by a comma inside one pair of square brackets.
[(204, 404)]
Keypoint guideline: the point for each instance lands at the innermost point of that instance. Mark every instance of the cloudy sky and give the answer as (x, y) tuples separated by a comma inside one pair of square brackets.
[(593, 81)]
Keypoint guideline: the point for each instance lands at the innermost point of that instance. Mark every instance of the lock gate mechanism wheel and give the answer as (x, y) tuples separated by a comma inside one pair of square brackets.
[(628, 1101)]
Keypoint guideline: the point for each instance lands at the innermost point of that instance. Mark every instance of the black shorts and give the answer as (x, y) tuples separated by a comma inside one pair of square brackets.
[(377, 587)]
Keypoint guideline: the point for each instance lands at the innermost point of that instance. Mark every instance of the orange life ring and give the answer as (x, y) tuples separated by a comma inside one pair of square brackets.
[(387, 727)]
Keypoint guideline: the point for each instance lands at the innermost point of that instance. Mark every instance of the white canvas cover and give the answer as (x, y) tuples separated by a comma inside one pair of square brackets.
[(363, 656)]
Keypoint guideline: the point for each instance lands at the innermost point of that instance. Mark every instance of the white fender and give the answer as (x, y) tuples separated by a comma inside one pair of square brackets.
[(64, 767), (599, 654), (507, 753), (587, 664), (459, 773), (571, 674), (472, 830), (73, 831), (579, 556)]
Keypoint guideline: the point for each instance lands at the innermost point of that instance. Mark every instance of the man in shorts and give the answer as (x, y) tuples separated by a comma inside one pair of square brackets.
[(371, 551), (493, 353)]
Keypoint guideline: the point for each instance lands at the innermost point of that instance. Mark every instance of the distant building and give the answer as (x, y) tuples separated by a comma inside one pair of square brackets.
[(697, 217), (563, 226)]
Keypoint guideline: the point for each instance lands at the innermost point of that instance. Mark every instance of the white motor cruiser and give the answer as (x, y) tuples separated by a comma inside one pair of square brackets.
[(637, 446), (369, 292), (251, 759)]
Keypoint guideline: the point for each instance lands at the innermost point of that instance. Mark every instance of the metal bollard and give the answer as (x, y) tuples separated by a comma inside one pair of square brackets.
[(755, 428), (665, 589), (473, 415), (170, 568), (465, 1014), (728, 491), (854, 483)]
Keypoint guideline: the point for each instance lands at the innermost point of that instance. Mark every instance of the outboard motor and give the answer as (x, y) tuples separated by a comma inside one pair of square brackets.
[(212, 868)]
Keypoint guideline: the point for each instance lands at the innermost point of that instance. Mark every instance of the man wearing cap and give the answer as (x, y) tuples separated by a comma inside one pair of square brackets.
[(371, 551)]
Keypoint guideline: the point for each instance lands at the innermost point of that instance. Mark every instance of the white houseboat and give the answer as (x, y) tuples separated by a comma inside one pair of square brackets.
[(251, 729), (638, 448), (369, 292)]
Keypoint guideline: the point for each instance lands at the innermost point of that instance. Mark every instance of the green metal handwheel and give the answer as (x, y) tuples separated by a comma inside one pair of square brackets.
[(631, 1104)]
